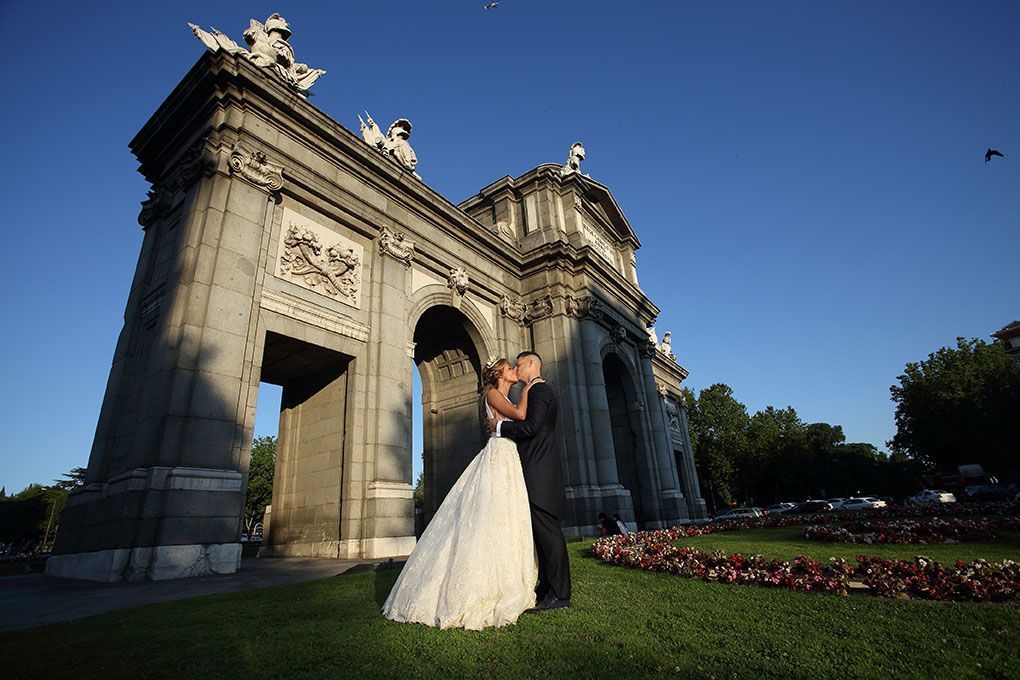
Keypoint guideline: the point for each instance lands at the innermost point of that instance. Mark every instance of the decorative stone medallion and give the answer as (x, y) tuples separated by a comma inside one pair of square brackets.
[(319, 259)]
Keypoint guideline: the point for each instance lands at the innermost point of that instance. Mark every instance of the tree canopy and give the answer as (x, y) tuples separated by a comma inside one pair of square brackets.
[(961, 405), (260, 480)]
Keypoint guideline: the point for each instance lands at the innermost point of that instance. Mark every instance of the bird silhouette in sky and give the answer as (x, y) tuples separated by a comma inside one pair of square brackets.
[(993, 152), (492, 5)]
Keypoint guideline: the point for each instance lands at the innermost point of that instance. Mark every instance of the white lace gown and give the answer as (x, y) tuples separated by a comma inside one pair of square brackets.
[(475, 565)]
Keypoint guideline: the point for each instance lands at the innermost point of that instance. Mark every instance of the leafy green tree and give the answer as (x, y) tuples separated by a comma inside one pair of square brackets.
[(775, 466), (71, 480), (419, 491), (719, 425), (260, 480), (960, 406)]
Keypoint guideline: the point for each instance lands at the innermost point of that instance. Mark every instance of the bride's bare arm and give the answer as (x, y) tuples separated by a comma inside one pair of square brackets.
[(505, 407)]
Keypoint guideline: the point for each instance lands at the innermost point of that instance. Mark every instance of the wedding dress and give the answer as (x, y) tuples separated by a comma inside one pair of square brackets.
[(475, 564)]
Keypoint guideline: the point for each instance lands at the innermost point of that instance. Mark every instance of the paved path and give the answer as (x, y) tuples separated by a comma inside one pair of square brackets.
[(34, 599)]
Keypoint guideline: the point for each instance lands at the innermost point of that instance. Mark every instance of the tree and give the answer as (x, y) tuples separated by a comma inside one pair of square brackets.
[(776, 462), (719, 425), (419, 491), (71, 480), (260, 480), (960, 406)]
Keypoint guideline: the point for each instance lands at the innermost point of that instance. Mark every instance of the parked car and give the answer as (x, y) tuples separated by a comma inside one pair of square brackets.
[(779, 508), (863, 503), (930, 496), (991, 492), (837, 503), (812, 506), (734, 513)]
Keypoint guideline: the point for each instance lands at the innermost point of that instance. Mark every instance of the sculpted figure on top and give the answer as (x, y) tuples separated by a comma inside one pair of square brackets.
[(574, 158), (393, 144), (267, 47)]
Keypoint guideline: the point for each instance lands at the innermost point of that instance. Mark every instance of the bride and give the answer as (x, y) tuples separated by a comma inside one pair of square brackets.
[(475, 565)]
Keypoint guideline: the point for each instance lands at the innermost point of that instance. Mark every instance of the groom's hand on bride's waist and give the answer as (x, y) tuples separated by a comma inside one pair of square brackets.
[(490, 423)]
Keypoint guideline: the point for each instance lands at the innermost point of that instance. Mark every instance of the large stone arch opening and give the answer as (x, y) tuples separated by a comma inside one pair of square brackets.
[(308, 479), (625, 420), (448, 351)]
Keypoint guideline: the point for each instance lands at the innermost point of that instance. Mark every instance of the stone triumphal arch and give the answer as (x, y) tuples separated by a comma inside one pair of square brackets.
[(280, 247)]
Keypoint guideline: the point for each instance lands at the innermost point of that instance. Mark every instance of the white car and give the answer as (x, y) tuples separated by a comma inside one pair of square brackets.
[(863, 503), (930, 496), (780, 508), (836, 503), (734, 513)]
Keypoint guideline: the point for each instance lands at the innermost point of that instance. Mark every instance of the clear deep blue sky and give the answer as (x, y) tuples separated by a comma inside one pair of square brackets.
[(806, 178)]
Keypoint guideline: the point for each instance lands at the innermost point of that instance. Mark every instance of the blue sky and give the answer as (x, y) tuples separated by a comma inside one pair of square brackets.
[(806, 178)]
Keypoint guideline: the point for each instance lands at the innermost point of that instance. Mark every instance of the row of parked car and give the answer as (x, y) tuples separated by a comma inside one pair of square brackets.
[(829, 504)]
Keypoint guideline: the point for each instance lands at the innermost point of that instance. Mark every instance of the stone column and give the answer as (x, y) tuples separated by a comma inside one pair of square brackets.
[(169, 490), (695, 501), (672, 505), (556, 339), (598, 405), (388, 520)]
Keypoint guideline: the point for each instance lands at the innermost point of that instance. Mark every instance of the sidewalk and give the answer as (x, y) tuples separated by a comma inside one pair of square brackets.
[(35, 599)]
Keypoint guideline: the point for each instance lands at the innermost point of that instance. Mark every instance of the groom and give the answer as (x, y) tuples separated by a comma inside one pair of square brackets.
[(540, 460)]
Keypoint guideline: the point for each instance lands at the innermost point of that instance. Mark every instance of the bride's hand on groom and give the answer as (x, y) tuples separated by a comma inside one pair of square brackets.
[(490, 423), (533, 382)]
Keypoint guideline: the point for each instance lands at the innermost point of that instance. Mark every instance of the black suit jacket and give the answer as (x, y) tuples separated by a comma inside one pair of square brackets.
[(536, 444)]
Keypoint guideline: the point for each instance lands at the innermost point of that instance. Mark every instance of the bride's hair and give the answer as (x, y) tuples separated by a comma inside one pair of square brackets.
[(490, 374)]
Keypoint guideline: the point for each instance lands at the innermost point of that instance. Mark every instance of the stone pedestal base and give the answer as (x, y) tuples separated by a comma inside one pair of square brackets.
[(143, 564), (368, 548), (697, 508)]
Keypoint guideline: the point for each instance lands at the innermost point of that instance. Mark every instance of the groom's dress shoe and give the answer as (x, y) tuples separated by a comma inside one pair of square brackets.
[(549, 603)]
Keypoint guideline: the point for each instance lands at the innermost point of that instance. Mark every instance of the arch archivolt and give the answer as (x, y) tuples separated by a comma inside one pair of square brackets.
[(434, 295)]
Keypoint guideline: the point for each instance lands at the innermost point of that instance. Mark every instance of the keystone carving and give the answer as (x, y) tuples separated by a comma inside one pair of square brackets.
[(458, 280)]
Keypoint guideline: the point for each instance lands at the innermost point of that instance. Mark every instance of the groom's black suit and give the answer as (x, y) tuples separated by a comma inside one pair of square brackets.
[(540, 460)]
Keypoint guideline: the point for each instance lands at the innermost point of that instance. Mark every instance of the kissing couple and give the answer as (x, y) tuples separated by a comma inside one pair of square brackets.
[(497, 533)]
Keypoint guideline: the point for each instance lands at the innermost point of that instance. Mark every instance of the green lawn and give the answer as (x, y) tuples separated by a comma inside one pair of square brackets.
[(787, 542), (624, 623)]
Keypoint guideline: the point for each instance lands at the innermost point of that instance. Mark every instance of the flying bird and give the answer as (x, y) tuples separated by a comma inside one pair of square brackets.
[(492, 5), (993, 152)]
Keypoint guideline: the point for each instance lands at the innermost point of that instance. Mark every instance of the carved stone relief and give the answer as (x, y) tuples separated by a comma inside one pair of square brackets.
[(319, 259), (396, 245), (580, 307), (255, 167), (539, 309), (513, 309), (672, 415)]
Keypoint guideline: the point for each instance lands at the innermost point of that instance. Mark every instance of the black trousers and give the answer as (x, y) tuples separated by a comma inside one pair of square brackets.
[(553, 567)]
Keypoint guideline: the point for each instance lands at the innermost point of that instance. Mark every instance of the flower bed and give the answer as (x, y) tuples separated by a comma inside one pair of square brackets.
[(802, 574), (934, 530), (923, 578)]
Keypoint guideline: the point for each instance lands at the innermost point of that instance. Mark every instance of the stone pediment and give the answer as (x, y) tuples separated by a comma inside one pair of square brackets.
[(601, 203)]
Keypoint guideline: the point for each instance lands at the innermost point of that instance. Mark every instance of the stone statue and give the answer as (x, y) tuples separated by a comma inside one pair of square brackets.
[(574, 159), (393, 144), (673, 416), (653, 337), (267, 47), (667, 344)]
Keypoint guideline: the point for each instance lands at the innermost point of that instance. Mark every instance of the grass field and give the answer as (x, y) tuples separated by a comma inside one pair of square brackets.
[(787, 542), (624, 623)]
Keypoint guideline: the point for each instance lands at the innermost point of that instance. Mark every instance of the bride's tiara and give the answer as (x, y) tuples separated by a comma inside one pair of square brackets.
[(493, 361)]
